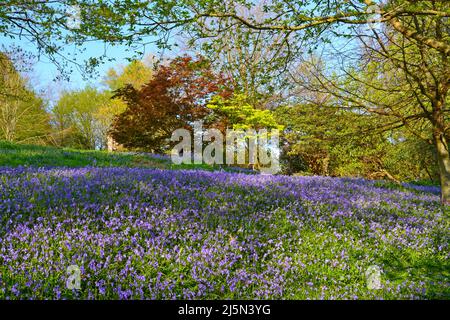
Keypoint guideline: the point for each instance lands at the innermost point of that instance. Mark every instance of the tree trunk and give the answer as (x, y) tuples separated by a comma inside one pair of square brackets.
[(325, 165), (443, 158)]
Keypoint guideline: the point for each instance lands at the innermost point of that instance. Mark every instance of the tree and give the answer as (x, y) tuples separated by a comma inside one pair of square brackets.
[(49, 25), (80, 117), (306, 20), (174, 98), (83, 118), (254, 62), (23, 117), (237, 112), (325, 140), (57, 27), (400, 79), (136, 73)]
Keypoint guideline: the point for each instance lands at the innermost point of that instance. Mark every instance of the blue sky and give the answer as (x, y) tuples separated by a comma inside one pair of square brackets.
[(44, 72)]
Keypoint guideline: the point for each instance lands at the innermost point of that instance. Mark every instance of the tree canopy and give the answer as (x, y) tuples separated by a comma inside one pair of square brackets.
[(23, 114)]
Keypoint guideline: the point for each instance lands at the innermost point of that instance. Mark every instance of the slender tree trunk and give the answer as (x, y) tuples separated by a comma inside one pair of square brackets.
[(443, 158), (325, 165)]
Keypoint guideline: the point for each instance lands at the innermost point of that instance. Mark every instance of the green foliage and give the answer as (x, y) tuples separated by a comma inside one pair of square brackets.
[(325, 140), (127, 22), (239, 113), (13, 155), (253, 62), (136, 74), (175, 97), (82, 118), (23, 116)]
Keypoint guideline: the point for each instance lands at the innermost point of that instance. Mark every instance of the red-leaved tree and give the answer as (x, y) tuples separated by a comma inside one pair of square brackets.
[(175, 97)]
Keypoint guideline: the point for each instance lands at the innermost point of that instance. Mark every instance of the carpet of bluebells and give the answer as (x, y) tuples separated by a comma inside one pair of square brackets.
[(158, 234)]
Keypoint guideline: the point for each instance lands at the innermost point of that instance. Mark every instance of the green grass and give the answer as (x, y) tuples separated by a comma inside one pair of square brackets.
[(14, 155)]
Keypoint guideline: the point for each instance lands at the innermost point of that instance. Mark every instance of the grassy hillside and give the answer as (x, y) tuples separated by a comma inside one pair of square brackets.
[(14, 155), (30, 155)]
